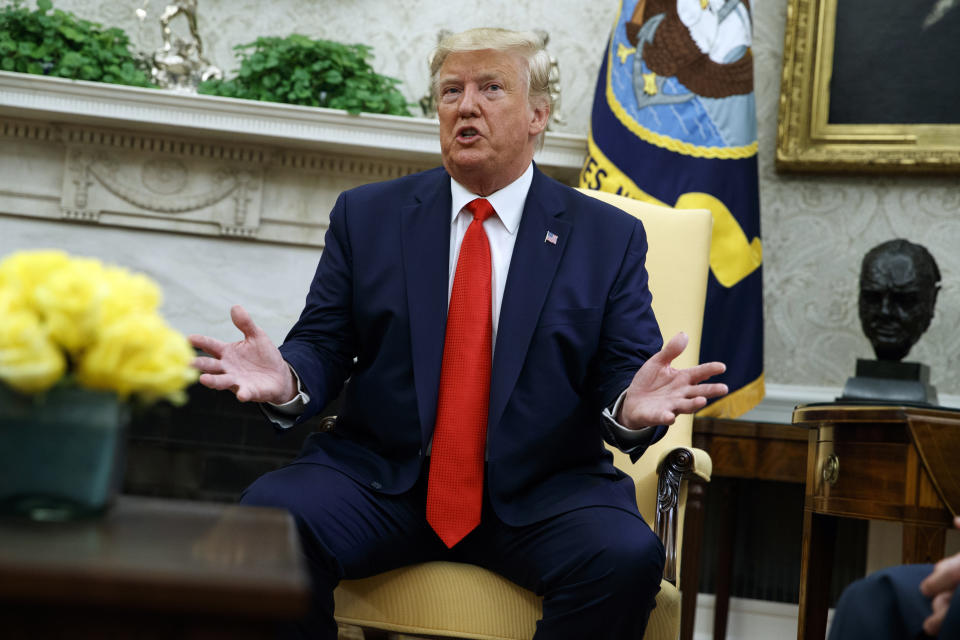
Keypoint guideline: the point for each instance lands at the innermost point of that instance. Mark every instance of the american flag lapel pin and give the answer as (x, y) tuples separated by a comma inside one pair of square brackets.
[(551, 237)]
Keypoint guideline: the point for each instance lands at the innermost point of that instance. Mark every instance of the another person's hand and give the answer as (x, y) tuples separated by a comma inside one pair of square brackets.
[(939, 586), (659, 393), (252, 368)]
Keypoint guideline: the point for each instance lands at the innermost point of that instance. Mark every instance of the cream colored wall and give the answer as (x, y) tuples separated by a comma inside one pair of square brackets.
[(815, 228), (201, 278)]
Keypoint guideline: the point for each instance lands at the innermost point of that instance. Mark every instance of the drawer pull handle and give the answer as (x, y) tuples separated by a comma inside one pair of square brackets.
[(831, 469)]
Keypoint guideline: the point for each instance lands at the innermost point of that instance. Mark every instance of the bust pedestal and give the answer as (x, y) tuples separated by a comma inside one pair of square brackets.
[(890, 381)]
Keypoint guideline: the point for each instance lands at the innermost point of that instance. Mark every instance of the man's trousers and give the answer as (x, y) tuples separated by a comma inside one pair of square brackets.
[(888, 605), (598, 568)]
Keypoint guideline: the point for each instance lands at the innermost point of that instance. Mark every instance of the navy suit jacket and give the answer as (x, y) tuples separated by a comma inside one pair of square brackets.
[(575, 325)]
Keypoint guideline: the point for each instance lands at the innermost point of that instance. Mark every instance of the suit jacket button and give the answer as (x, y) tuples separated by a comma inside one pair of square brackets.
[(375, 484)]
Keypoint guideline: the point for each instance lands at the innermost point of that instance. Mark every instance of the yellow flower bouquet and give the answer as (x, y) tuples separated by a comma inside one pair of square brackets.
[(79, 340), (65, 315)]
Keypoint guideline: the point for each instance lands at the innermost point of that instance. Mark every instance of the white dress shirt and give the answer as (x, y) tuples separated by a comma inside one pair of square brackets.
[(501, 230)]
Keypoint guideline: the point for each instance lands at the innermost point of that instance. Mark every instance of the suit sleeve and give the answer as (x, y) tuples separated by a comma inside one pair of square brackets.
[(629, 336), (321, 345)]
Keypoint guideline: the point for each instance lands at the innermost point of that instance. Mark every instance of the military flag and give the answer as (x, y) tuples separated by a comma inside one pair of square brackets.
[(674, 123)]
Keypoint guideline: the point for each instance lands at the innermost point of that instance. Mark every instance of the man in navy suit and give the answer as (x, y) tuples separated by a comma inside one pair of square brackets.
[(576, 359), (905, 602)]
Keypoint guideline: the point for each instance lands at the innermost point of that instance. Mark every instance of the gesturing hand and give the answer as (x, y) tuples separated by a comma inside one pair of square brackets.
[(659, 393), (252, 368), (939, 586)]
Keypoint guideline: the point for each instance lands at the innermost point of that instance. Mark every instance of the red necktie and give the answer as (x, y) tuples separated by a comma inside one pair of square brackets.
[(455, 483)]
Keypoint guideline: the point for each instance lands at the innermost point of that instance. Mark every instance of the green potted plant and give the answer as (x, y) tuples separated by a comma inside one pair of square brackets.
[(316, 73), (79, 342), (57, 43)]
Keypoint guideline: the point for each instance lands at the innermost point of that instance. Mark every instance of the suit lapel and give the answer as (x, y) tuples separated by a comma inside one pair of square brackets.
[(425, 238), (532, 268)]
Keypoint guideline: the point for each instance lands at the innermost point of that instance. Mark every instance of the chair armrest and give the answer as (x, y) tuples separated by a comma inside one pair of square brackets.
[(702, 464), (673, 468)]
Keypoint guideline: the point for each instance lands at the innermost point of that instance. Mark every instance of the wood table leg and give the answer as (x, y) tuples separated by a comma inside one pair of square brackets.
[(726, 545), (690, 562), (923, 544), (816, 569)]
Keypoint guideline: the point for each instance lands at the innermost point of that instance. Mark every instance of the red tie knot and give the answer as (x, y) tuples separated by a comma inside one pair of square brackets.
[(480, 208)]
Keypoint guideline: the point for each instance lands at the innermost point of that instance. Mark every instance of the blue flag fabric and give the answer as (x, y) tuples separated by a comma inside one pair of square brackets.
[(674, 123)]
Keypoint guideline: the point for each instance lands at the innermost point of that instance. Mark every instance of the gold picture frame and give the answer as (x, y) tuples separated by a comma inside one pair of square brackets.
[(808, 142)]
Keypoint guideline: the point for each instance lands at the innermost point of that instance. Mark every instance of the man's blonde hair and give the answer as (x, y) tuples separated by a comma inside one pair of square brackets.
[(527, 44)]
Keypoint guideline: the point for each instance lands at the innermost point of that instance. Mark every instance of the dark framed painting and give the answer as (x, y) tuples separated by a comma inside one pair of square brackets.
[(870, 86)]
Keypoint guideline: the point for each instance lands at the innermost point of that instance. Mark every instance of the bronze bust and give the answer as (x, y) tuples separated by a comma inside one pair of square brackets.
[(899, 282)]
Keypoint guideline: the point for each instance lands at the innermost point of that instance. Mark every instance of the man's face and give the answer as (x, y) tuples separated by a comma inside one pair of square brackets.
[(488, 129), (896, 304)]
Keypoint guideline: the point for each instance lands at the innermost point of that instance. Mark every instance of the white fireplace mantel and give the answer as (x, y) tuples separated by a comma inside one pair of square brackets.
[(151, 159)]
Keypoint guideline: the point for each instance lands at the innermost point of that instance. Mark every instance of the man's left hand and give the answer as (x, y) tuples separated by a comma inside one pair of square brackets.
[(659, 393)]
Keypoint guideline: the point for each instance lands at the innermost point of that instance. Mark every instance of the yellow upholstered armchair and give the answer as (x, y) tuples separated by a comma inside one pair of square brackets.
[(463, 601)]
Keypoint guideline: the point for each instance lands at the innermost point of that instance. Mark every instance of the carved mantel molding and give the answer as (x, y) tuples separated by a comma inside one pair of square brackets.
[(147, 158)]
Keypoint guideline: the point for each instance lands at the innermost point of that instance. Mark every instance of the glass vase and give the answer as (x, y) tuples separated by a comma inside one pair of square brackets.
[(61, 452)]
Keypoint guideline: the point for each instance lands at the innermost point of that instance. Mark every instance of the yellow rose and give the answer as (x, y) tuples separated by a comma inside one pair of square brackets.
[(29, 360), (127, 293), (139, 354), (22, 272), (69, 301), (10, 300)]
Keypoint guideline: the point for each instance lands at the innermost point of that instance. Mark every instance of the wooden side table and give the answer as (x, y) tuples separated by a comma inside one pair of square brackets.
[(742, 450), (152, 568), (874, 462)]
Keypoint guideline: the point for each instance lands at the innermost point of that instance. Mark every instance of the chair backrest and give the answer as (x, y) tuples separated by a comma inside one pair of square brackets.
[(678, 260)]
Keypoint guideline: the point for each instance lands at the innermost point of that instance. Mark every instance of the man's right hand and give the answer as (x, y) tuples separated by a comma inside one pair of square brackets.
[(252, 368), (939, 587)]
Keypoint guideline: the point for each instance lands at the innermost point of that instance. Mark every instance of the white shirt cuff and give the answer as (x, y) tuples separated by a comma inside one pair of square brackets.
[(284, 415), (610, 413)]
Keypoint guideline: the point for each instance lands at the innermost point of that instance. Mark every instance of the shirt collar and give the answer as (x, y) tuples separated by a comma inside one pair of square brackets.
[(507, 202)]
